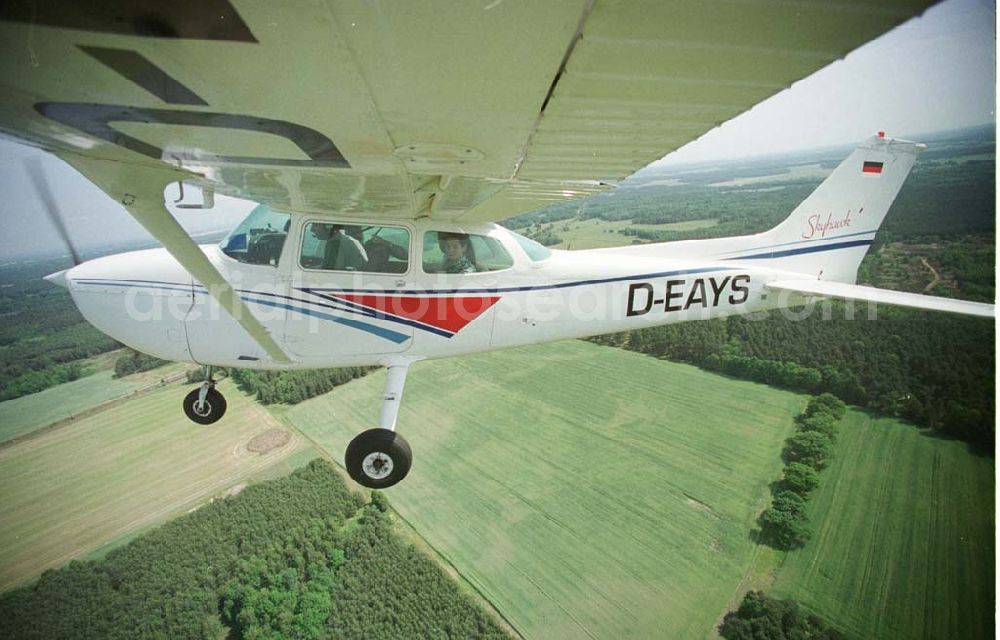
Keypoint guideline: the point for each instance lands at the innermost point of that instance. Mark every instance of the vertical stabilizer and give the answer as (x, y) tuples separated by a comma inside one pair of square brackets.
[(827, 235)]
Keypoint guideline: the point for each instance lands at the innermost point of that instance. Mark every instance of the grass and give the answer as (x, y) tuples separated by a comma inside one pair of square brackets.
[(21, 416), (73, 489), (595, 233), (27, 413), (903, 543), (584, 491)]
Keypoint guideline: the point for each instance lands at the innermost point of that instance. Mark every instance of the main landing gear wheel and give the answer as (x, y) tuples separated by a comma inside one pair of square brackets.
[(378, 458), (205, 411)]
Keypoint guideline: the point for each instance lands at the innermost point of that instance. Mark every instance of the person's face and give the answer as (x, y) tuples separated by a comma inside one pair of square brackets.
[(454, 248)]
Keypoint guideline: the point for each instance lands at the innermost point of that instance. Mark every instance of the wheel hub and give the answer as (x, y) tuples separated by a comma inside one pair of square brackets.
[(202, 408), (377, 465)]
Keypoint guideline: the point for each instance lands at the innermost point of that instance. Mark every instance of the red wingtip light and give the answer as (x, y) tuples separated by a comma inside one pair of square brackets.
[(881, 134)]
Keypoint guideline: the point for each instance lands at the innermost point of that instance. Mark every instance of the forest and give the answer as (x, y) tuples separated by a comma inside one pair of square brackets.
[(297, 557), (42, 334)]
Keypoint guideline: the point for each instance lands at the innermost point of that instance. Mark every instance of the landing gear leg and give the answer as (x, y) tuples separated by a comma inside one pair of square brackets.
[(205, 405), (379, 458)]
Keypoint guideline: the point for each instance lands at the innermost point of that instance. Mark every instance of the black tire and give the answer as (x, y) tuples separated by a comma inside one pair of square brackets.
[(378, 458), (214, 408)]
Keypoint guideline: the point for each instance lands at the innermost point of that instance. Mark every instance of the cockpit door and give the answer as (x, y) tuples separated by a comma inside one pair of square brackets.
[(346, 282), (253, 260)]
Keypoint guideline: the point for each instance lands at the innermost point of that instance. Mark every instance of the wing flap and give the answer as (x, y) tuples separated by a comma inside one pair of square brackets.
[(884, 296), (653, 76)]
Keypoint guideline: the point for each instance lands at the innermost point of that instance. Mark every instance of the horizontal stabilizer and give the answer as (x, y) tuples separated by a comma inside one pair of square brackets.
[(884, 296)]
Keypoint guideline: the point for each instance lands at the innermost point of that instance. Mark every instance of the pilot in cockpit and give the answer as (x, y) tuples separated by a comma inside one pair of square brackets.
[(343, 251), (458, 253)]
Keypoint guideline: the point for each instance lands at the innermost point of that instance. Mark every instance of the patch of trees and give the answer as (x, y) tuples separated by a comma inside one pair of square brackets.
[(134, 362), (544, 235), (35, 381), (297, 557), (933, 369), (291, 387), (773, 372), (784, 524), (41, 333), (762, 618)]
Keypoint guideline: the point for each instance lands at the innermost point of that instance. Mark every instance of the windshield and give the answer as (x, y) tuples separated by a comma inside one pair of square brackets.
[(259, 238), (535, 251)]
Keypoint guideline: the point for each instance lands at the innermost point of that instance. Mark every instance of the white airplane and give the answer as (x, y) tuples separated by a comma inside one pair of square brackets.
[(382, 141)]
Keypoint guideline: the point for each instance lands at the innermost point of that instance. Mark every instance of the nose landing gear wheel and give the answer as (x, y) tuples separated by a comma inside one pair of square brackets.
[(378, 458), (207, 412)]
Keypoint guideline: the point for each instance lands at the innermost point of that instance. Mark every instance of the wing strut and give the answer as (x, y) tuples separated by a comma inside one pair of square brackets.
[(139, 188)]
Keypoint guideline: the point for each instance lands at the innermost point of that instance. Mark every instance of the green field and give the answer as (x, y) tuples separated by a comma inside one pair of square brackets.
[(583, 490), (903, 545), (594, 233), (73, 399), (27, 413), (72, 489)]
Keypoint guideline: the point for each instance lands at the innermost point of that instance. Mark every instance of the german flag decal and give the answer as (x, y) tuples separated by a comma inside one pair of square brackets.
[(872, 167)]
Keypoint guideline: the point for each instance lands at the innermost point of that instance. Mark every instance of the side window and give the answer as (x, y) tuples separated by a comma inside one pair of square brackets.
[(259, 238), (449, 252), (335, 246)]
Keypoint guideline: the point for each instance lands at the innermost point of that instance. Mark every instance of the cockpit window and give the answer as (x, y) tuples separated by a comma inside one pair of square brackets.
[(335, 246), (449, 252), (259, 239), (535, 250)]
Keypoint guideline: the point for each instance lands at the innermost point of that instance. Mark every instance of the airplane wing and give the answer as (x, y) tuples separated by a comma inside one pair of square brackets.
[(458, 110), (886, 296)]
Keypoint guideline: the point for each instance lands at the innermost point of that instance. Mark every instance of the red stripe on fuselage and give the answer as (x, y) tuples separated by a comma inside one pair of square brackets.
[(447, 313)]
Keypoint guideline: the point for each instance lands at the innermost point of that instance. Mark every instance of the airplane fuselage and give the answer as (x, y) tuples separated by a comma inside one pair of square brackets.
[(325, 318)]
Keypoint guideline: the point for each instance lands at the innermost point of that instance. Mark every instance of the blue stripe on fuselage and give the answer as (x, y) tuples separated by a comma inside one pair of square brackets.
[(802, 250)]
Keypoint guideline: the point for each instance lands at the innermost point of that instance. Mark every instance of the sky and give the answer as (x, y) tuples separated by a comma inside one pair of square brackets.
[(933, 73)]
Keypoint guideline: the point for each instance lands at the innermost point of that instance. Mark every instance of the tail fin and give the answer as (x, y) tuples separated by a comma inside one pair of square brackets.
[(827, 235)]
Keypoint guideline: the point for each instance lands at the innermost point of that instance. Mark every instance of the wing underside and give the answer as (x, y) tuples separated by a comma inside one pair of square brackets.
[(458, 110)]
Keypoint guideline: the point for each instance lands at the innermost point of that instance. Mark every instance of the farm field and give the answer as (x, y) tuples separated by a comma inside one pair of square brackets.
[(903, 545), (72, 489), (23, 415), (618, 504), (594, 233), (27, 413)]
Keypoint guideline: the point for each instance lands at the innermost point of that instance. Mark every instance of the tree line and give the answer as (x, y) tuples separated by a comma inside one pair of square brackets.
[(784, 524), (291, 387), (760, 617), (133, 361), (297, 557)]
